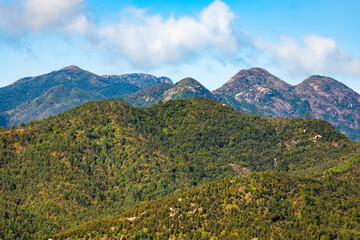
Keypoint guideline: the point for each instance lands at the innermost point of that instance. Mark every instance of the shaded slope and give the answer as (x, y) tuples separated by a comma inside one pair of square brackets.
[(250, 141), (186, 88), (56, 100), (29, 88), (73, 79), (29, 98), (148, 96)]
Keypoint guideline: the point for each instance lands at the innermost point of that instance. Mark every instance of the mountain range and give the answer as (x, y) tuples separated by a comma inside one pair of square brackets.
[(38, 97), (254, 91)]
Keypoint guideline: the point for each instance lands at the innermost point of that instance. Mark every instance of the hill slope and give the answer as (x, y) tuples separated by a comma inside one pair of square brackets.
[(149, 96), (186, 88), (102, 157), (56, 100), (259, 206), (29, 88)]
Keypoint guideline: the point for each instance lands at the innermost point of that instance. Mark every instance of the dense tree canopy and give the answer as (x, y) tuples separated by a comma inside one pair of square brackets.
[(102, 158)]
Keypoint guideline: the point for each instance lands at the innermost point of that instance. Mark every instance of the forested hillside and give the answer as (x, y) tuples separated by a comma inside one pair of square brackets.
[(103, 157), (265, 205)]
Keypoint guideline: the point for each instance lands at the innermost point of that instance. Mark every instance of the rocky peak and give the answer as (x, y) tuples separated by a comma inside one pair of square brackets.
[(189, 81), (246, 79), (141, 80), (71, 67), (319, 80), (187, 88), (164, 79), (257, 72), (321, 85)]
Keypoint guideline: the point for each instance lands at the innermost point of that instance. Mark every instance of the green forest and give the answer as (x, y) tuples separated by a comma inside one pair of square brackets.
[(108, 169)]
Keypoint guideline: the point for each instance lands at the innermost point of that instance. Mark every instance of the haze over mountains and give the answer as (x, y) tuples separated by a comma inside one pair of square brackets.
[(254, 91)]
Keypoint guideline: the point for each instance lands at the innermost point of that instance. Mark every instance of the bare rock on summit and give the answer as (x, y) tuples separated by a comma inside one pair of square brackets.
[(257, 91), (138, 79), (186, 88), (332, 101)]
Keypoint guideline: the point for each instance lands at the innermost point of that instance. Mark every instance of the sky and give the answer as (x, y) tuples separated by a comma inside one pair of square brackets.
[(207, 40)]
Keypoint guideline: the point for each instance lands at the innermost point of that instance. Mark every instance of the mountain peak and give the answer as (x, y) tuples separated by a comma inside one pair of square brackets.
[(71, 67), (189, 80), (258, 70), (246, 79), (321, 82), (316, 77), (255, 71)]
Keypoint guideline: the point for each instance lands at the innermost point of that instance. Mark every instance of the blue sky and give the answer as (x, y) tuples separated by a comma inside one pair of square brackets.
[(208, 40)]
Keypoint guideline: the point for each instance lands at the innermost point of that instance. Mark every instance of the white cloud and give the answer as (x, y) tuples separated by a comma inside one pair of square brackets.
[(19, 17), (42, 13), (151, 40), (315, 54)]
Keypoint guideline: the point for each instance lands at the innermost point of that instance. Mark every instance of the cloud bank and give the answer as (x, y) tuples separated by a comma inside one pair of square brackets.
[(151, 40), (313, 55), (21, 17)]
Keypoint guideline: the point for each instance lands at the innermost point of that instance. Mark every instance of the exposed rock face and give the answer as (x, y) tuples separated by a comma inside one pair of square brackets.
[(334, 102), (186, 88), (138, 79), (149, 96), (258, 92)]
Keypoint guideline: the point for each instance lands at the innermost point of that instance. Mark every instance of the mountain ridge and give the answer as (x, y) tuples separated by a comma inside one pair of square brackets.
[(29, 90), (142, 80), (254, 91), (316, 96)]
